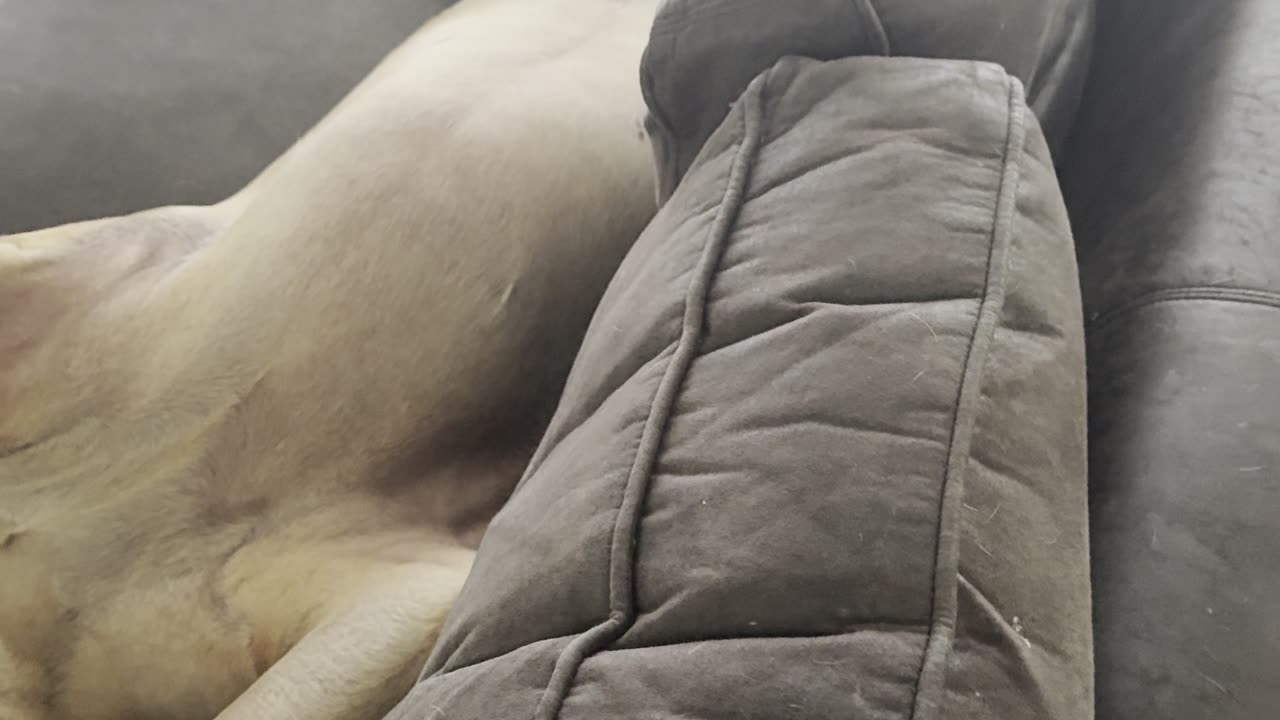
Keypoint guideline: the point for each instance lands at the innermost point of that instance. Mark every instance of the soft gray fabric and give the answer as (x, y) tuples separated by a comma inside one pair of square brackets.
[(822, 453), (1174, 183), (112, 106), (1044, 43)]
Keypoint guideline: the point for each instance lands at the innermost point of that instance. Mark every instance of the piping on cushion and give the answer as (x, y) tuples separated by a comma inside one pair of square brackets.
[(622, 551), (931, 686)]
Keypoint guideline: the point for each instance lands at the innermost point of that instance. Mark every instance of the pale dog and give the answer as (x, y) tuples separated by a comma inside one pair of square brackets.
[(246, 450)]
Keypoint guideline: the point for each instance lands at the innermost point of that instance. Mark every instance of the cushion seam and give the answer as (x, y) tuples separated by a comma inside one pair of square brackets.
[(1037, 71), (875, 26), (1007, 632), (913, 628), (1243, 296), (857, 629), (549, 443), (661, 131), (625, 536), (931, 683)]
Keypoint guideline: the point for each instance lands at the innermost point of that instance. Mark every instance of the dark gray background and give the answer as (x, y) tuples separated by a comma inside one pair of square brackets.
[(111, 106)]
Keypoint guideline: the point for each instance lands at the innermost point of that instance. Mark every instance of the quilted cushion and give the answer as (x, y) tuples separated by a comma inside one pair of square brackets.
[(822, 453)]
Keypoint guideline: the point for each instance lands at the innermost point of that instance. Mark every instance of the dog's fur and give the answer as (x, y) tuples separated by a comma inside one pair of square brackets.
[(246, 450)]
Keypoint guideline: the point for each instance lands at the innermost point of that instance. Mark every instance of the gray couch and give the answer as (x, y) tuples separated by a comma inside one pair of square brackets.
[(117, 106), (1172, 182), (823, 453)]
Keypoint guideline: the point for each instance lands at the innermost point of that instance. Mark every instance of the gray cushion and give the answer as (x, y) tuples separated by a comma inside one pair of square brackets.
[(822, 453), (711, 49), (112, 107)]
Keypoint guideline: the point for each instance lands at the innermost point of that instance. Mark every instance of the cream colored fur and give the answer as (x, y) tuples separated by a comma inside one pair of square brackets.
[(246, 450)]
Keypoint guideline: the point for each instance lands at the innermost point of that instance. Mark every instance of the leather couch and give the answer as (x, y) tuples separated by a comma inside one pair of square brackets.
[(1169, 171), (1174, 189)]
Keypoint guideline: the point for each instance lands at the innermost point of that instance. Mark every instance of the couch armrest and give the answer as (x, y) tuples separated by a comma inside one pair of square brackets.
[(1172, 183), (822, 452)]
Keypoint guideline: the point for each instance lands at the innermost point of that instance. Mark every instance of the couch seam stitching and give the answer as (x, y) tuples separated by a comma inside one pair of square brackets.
[(879, 35), (626, 525), (1243, 296), (1006, 633), (931, 682), (666, 137), (1036, 71), (860, 628)]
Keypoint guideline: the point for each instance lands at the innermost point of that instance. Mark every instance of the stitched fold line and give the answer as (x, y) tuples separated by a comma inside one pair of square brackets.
[(874, 29), (622, 553), (1244, 296), (931, 684)]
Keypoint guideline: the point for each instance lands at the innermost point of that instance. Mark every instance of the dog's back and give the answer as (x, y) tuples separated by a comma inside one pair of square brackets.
[(236, 440)]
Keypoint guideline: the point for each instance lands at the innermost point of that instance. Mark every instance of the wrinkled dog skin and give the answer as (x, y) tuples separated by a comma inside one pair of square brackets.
[(246, 450)]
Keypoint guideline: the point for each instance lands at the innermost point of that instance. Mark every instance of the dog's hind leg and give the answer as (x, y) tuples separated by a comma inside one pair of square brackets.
[(358, 663), (22, 691)]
